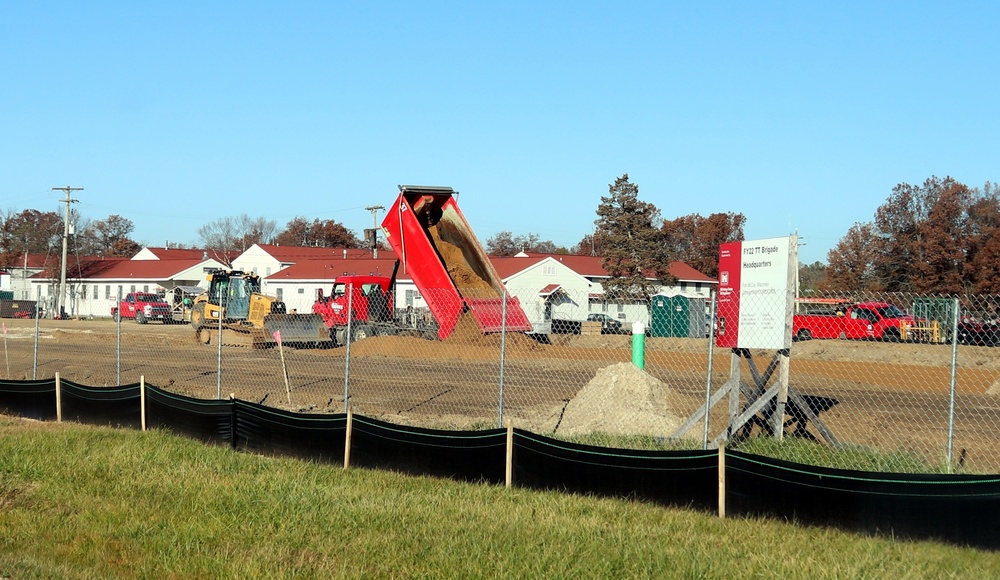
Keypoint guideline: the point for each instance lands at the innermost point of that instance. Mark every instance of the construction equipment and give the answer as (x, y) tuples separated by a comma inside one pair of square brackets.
[(370, 300), (234, 306), (447, 263)]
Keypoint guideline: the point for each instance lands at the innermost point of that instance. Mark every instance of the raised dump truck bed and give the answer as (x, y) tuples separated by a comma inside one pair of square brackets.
[(444, 259)]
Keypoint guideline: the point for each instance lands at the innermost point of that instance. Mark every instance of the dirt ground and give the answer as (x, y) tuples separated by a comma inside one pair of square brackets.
[(891, 396)]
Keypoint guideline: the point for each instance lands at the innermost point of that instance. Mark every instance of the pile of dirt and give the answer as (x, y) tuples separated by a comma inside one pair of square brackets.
[(467, 332), (621, 399)]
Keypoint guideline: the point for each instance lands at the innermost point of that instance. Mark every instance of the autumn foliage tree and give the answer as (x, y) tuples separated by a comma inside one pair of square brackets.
[(940, 237), (629, 231), (695, 239), (320, 233)]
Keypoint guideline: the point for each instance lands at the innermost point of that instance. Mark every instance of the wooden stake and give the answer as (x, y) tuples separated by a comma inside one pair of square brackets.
[(58, 399), (284, 371), (142, 400), (722, 479), (347, 438), (510, 453)]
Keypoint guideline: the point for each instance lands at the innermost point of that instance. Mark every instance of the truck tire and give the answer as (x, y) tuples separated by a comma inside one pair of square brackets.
[(803, 334), (117, 315), (360, 332), (140, 318), (891, 335)]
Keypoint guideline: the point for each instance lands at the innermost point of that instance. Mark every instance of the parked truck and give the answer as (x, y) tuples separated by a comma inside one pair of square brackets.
[(143, 307), (439, 252), (853, 320)]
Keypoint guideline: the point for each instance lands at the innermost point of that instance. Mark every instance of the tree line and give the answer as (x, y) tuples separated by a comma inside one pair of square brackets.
[(939, 237)]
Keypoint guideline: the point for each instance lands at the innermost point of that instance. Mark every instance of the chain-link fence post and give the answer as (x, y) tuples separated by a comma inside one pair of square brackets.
[(34, 364), (118, 334), (503, 354), (951, 389), (711, 355), (218, 355), (348, 339)]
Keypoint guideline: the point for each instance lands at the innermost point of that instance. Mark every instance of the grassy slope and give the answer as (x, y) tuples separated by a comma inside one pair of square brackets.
[(79, 501)]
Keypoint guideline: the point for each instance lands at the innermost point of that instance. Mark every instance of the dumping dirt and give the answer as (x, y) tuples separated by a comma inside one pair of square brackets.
[(623, 400), (468, 282)]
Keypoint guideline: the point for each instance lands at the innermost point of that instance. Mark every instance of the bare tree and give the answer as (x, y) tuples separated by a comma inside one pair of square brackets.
[(227, 236)]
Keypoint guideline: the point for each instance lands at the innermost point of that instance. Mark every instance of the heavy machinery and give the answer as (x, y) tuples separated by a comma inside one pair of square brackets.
[(439, 252), (446, 262), (234, 305)]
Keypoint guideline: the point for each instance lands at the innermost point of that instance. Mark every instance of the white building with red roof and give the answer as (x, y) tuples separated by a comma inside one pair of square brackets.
[(93, 284)]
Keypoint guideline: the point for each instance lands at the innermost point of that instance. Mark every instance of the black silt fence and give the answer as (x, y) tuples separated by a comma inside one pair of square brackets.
[(113, 406), (461, 455), (271, 431), (31, 399), (209, 421), (679, 478), (961, 509)]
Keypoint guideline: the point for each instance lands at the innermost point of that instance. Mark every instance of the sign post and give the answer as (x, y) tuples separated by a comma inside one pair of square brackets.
[(756, 300)]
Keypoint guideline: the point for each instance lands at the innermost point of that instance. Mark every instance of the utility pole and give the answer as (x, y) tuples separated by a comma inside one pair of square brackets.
[(61, 300), (374, 236)]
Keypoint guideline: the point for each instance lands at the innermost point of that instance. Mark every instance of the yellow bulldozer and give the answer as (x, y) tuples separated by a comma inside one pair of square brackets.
[(234, 308)]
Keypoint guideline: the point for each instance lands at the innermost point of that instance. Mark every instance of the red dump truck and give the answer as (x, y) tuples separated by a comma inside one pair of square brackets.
[(439, 252), (370, 299), (855, 320)]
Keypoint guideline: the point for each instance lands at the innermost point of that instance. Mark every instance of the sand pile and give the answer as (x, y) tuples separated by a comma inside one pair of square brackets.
[(621, 399)]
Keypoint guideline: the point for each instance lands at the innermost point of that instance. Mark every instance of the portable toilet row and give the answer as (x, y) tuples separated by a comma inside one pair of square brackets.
[(678, 316)]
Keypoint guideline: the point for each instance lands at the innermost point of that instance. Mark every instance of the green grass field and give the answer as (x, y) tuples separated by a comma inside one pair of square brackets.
[(86, 502)]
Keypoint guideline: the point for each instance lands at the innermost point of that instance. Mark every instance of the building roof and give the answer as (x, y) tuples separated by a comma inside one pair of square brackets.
[(177, 253), (293, 254), (80, 268), (152, 270), (328, 269), (588, 266)]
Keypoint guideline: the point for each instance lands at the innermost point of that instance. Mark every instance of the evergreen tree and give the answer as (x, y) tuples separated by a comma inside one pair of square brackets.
[(629, 231)]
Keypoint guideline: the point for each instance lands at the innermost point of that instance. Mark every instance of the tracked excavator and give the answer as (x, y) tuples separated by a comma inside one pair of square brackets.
[(234, 307)]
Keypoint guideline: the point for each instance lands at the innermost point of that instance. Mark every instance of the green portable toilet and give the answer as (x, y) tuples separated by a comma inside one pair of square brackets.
[(670, 316)]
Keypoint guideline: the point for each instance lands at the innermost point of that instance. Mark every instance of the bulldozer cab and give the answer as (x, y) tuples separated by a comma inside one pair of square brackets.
[(233, 290)]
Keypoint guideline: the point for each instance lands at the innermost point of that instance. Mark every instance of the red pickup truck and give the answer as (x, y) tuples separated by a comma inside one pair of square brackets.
[(858, 320), (143, 307)]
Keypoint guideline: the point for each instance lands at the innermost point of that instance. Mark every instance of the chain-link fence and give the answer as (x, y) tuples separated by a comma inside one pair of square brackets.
[(879, 375)]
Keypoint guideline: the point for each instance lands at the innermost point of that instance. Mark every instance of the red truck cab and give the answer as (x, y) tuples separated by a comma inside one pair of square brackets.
[(368, 299), (860, 320), (143, 307)]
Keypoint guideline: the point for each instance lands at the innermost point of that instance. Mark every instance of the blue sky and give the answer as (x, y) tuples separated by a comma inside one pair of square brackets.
[(800, 115)]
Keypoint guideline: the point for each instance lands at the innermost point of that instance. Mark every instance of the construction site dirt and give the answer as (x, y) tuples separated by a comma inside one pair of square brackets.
[(892, 396)]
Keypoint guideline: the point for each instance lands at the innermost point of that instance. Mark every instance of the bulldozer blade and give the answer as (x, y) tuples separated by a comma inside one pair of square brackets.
[(297, 329)]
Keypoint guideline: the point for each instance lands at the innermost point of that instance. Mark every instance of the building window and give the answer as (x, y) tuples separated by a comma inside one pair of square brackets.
[(132, 288), (107, 291), (549, 270), (97, 291), (267, 270), (145, 287), (280, 292), (302, 290)]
